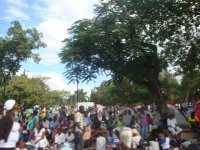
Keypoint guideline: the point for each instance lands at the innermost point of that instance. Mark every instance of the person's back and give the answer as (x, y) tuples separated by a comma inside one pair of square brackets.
[(101, 143)]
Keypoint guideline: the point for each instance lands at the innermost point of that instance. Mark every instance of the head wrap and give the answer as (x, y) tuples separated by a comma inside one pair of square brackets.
[(9, 104), (126, 137)]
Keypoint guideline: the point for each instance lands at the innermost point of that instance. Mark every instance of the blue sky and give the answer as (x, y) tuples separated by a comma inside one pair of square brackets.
[(52, 18)]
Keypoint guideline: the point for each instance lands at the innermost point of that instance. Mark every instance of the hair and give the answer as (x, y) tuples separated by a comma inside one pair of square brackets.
[(166, 133)]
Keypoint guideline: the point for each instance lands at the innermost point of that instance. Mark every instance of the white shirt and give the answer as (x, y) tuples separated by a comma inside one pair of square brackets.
[(38, 135), (79, 118), (69, 138), (166, 144), (45, 124), (12, 138), (171, 122), (101, 143), (59, 138)]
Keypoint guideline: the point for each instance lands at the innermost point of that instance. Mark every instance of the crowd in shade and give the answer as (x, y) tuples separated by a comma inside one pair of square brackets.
[(112, 128)]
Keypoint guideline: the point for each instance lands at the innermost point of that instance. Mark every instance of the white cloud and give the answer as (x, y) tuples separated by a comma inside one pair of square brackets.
[(15, 10), (57, 16), (15, 13), (17, 3), (54, 31)]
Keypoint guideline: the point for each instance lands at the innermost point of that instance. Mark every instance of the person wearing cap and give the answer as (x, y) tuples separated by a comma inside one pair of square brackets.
[(9, 127)]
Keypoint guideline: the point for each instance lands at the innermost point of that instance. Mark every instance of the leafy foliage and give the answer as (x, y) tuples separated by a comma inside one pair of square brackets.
[(137, 40), (111, 93), (32, 91), (17, 47)]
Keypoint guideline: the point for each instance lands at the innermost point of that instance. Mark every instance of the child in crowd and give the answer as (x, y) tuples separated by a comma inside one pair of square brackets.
[(165, 141)]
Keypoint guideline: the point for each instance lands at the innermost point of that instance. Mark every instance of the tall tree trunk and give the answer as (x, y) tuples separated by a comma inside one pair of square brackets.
[(160, 97)]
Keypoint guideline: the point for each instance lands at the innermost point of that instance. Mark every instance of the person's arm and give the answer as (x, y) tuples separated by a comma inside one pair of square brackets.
[(78, 125)]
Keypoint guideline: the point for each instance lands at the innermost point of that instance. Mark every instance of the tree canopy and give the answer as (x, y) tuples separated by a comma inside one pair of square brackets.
[(136, 39), (18, 46)]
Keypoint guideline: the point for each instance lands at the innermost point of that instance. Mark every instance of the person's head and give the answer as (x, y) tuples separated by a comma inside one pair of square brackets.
[(142, 109), (54, 118), (171, 116), (59, 130), (11, 106), (81, 109), (166, 133), (35, 113), (120, 117), (44, 119)]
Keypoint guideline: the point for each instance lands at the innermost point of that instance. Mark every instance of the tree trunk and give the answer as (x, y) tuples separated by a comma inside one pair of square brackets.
[(160, 97)]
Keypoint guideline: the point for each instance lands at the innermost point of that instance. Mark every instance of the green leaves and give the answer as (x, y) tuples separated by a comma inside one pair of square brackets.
[(18, 46)]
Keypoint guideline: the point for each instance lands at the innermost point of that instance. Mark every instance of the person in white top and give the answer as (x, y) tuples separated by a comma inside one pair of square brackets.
[(9, 127), (69, 136), (59, 139), (101, 141), (79, 129), (40, 141), (172, 125), (165, 141)]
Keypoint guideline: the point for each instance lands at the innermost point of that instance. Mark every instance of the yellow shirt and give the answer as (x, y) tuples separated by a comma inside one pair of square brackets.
[(192, 120)]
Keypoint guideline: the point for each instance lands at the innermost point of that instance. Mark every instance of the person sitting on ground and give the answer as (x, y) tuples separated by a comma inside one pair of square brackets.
[(165, 141), (135, 139), (40, 140), (59, 139), (69, 136), (176, 143), (126, 136), (172, 125), (101, 141)]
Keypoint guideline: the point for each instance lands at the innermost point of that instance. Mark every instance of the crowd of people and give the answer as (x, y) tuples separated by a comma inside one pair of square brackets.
[(113, 128)]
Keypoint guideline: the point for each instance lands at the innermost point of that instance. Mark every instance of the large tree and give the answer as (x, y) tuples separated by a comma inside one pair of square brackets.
[(136, 39), (18, 46)]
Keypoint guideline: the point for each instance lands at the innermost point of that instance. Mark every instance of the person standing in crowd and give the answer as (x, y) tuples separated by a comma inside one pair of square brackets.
[(142, 118), (87, 130), (127, 118), (79, 129), (156, 120), (9, 127)]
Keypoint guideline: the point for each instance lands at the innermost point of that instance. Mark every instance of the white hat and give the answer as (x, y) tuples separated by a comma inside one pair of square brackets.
[(135, 131), (9, 104)]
